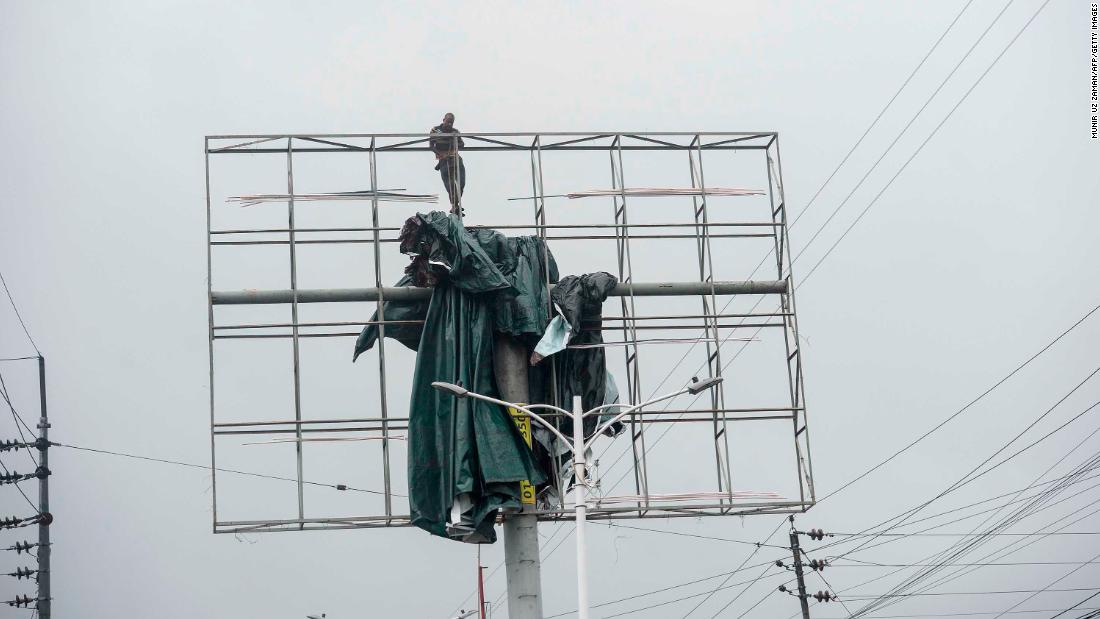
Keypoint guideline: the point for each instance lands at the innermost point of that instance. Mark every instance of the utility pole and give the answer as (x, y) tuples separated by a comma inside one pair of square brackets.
[(41, 575), (521, 538), (796, 554), (45, 519), (818, 565)]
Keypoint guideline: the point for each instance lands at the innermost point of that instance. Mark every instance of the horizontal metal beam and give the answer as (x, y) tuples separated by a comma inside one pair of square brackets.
[(410, 293), (276, 136), (424, 149), (662, 511)]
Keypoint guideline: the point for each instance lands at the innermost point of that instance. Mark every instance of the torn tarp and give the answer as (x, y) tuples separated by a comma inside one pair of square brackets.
[(578, 300), (466, 456), (513, 269)]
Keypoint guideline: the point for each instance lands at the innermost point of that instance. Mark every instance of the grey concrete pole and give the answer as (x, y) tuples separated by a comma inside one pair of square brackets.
[(521, 538), (802, 597), (43, 499)]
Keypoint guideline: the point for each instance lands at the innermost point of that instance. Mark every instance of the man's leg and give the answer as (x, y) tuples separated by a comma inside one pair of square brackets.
[(461, 179), (445, 174)]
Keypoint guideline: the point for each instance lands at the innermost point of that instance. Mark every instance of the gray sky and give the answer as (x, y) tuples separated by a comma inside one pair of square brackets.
[(979, 254)]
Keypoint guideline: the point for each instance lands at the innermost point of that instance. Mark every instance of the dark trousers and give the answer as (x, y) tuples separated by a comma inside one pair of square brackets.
[(453, 172)]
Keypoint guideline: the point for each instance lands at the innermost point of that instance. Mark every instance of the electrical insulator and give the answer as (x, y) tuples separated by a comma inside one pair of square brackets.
[(824, 596), (818, 565), (20, 600), (783, 588), (21, 547), (12, 477), (778, 563), (23, 572), (10, 523), (816, 534), (10, 445)]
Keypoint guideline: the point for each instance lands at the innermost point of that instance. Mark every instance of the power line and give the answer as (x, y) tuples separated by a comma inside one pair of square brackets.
[(993, 509), (946, 593), (18, 315), (17, 418), (28, 499), (965, 534), (1009, 564), (1064, 482), (980, 397), (1071, 478), (746, 560), (925, 142), (966, 479), (1003, 552), (697, 536), (662, 590), (832, 174), (890, 147), (970, 614), (904, 129), (866, 209), (1076, 605), (881, 113), (220, 469), (957, 534), (1052, 583), (750, 608)]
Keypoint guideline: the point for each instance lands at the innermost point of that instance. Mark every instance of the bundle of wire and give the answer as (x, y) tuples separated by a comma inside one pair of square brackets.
[(666, 191), (688, 496), (381, 196)]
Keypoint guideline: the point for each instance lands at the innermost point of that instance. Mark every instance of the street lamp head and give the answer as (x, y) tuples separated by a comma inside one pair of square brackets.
[(698, 386), (455, 390)]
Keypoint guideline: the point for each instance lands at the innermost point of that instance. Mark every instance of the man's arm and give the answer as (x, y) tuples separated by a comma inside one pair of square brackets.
[(436, 141)]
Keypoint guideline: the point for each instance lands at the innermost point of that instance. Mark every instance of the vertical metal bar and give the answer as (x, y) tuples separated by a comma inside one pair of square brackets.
[(539, 201), (44, 595), (381, 331), (791, 322), (457, 206), (210, 337), (779, 215), (633, 374), (294, 322), (713, 344)]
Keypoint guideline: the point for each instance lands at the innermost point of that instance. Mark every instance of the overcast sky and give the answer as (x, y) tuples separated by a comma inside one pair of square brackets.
[(979, 254)]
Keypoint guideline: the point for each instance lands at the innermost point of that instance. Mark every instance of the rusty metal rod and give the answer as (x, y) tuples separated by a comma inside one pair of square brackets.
[(410, 293)]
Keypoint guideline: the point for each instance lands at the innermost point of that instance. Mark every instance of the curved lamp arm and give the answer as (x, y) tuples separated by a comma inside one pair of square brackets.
[(600, 408), (462, 392), (551, 407), (694, 388)]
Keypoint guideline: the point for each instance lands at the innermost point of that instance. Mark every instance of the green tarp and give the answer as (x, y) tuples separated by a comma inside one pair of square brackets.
[(465, 452)]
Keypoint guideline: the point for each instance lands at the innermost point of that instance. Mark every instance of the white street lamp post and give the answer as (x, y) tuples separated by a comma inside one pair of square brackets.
[(578, 446)]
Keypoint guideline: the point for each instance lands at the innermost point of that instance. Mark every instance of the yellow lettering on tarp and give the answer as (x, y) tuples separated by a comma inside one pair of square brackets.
[(523, 422)]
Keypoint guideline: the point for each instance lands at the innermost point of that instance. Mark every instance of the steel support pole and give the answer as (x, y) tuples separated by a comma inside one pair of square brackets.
[(43, 499), (521, 538)]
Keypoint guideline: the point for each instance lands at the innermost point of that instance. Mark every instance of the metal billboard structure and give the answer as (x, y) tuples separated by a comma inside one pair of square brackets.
[(269, 303)]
